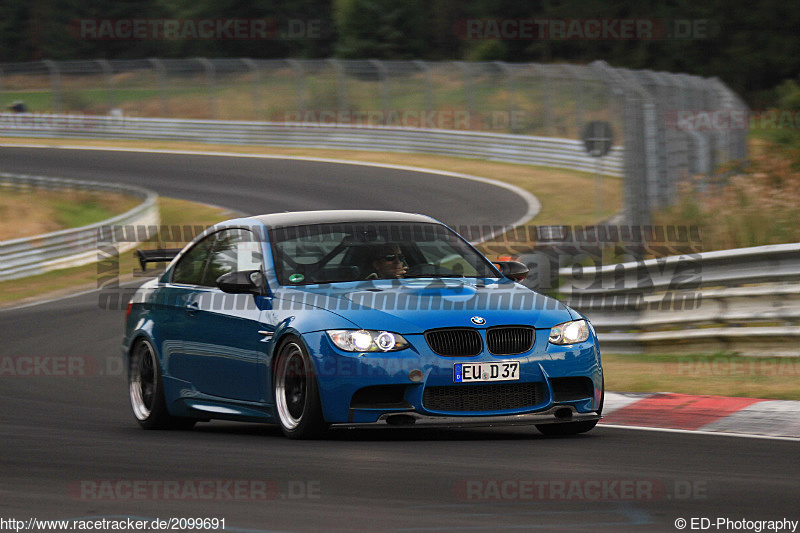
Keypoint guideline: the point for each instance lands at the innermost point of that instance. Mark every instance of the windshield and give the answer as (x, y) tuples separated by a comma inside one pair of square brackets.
[(326, 253)]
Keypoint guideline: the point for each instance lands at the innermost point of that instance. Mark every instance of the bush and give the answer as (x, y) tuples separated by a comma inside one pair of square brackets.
[(752, 205), (789, 95)]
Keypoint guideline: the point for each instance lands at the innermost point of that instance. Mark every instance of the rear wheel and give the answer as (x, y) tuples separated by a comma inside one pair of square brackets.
[(146, 390), (296, 393)]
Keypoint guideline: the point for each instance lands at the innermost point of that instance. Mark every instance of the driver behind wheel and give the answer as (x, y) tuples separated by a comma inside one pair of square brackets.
[(387, 262)]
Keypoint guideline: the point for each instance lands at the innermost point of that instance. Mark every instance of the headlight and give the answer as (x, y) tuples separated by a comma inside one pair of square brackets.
[(569, 332), (363, 340)]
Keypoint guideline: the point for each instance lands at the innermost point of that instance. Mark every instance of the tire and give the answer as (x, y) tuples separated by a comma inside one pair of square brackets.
[(296, 393), (146, 391), (573, 428)]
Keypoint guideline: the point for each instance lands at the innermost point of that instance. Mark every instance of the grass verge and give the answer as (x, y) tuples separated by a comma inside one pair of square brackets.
[(30, 212), (718, 375)]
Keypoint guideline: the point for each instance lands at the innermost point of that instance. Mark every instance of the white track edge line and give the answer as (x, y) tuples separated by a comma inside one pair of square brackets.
[(700, 432)]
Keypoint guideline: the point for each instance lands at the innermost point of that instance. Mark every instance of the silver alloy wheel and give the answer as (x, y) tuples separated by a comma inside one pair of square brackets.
[(291, 386), (143, 381)]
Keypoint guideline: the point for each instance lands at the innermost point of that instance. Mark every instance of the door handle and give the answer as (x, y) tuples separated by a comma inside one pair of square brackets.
[(192, 308)]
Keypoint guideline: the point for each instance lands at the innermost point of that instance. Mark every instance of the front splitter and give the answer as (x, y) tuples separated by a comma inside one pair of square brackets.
[(423, 420)]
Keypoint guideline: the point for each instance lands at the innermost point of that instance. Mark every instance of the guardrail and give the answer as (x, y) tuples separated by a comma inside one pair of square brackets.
[(70, 247), (744, 301), (521, 149)]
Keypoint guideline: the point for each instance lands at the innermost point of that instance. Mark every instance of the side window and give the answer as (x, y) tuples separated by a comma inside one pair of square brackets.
[(189, 269), (235, 250), (443, 255)]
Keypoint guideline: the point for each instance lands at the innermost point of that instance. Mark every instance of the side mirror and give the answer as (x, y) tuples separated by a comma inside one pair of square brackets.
[(512, 269), (242, 282)]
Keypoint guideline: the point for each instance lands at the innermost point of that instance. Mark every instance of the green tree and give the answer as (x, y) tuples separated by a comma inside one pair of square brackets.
[(382, 29)]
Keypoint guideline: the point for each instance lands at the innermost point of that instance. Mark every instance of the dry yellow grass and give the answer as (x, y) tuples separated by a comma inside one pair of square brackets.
[(719, 375), (24, 219), (25, 213)]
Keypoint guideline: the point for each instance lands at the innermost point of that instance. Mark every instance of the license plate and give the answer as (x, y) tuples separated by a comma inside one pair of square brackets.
[(471, 372)]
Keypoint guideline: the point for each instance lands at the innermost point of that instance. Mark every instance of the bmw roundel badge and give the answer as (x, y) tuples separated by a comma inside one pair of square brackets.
[(478, 320)]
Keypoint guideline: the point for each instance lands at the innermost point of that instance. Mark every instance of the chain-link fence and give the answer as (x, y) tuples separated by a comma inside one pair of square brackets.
[(651, 113)]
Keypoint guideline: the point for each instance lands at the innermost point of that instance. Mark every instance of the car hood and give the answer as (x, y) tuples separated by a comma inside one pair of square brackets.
[(411, 306)]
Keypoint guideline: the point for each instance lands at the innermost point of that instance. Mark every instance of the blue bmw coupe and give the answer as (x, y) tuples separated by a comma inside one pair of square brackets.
[(320, 318)]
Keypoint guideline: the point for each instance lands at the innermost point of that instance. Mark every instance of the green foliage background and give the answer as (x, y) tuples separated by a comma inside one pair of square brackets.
[(754, 47)]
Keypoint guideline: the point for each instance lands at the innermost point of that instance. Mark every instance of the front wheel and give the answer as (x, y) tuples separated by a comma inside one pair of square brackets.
[(296, 393), (146, 391)]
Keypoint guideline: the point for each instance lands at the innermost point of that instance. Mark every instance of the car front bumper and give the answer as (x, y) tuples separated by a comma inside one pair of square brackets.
[(340, 375)]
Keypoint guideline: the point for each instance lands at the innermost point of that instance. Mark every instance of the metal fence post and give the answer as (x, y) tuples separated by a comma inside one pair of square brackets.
[(545, 88), (341, 85), (654, 159), (161, 74), (208, 67), (469, 93), (429, 99), (638, 117), (300, 83), (508, 78), (55, 84), (255, 73), (660, 185), (578, 94), (706, 102), (105, 66), (735, 141), (383, 76), (678, 142)]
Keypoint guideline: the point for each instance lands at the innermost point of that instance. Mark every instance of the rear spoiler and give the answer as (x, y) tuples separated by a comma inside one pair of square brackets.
[(160, 255)]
